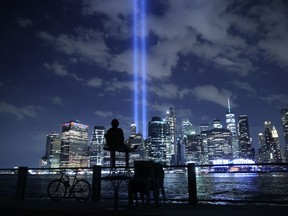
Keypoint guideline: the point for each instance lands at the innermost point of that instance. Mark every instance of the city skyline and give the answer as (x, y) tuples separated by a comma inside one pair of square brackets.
[(73, 60)]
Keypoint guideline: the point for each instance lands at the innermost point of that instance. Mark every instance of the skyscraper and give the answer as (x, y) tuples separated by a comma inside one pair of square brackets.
[(171, 121), (219, 141), (158, 142), (231, 125), (95, 149), (245, 148), (269, 144), (217, 123), (193, 150), (203, 127), (275, 147), (133, 128), (74, 145), (187, 128), (53, 149), (182, 147), (284, 117)]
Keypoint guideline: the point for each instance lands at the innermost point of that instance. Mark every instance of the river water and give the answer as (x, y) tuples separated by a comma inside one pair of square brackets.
[(216, 187)]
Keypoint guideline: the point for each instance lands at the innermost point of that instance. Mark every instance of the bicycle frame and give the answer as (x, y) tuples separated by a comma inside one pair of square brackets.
[(64, 187), (65, 178)]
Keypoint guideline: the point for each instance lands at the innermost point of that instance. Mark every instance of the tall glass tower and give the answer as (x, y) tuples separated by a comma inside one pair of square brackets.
[(171, 121), (284, 117), (231, 125), (187, 127), (52, 153), (96, 146), (159, 141), (270, 148), (74, 145), (245, 148)]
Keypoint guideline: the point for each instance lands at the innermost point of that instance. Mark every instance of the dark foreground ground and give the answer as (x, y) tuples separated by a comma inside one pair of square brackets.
[(45, 207)]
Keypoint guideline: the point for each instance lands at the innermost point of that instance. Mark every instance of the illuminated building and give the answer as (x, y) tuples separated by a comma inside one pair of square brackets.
[(231, 125), (284, 117), (74, 145), (245, 148), (95, 149), (203, 127), (263, 153), (217, 123), (136, 139), (51, 159), (193, 148), (187, 128), (269, 144), (183, 149), (219, 143), (171, 121), (158, 142), (133, 128), (275, 147)]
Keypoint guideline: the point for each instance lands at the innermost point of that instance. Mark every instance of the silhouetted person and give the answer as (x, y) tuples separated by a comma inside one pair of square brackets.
[(115, 142)]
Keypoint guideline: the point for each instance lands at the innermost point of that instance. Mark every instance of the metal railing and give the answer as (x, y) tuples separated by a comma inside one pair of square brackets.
[(20, 182)]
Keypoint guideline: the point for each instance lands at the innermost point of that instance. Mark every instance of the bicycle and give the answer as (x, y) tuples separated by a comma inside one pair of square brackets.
[(61, 188)]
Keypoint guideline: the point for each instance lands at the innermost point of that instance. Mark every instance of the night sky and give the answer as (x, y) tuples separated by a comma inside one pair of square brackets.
[(73, 60)]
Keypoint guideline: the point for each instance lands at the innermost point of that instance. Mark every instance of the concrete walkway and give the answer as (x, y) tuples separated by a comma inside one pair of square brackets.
[(45, 207)]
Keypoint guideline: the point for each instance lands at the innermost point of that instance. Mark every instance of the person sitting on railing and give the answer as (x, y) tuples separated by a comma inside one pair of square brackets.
[(115, 142)]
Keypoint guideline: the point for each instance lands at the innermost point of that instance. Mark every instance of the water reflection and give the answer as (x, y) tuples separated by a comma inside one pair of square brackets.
[(210, 186)]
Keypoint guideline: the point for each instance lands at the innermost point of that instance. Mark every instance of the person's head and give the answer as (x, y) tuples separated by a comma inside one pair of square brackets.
[(115, 123)]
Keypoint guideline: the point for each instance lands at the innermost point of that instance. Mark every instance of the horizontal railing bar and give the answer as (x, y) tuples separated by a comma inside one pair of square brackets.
[(165, 166)]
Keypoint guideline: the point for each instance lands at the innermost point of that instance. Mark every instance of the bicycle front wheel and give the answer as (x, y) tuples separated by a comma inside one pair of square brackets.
[(56, 190), (82, 190)]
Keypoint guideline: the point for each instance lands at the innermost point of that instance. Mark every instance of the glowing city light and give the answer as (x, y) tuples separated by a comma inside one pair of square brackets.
[(140, 64), (135, 60), (143, 67)]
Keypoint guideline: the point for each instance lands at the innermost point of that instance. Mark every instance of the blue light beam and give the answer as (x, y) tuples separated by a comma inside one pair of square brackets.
[(135, 61), (143, 67)]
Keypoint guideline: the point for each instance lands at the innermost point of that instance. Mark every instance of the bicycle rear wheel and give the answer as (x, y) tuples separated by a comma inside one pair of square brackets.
[(56, 190), (82, 190)]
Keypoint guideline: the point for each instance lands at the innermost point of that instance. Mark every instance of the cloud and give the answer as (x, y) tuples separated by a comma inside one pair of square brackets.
[(273, 18), (61, 70), (57, 100), (183, 113), (276, 49), (118, 15), (24, 23), (159, 108), (19, 112), (168, 90), (115, 84), (203, 31), (88, 44), (215, 31), (279, 98), (57, 69), (103, 114), (212, 94), (95, 82), (245, 86)]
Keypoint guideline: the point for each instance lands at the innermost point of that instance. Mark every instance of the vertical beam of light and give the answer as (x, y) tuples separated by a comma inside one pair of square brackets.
[(143, 66), (135, 61)]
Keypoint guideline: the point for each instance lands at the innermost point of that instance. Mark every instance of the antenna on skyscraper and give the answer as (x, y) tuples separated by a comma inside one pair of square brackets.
[(229, 107)]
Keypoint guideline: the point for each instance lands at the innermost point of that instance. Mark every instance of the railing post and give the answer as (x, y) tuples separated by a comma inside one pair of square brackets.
[(96, 183), (21, 182), (192, 187)]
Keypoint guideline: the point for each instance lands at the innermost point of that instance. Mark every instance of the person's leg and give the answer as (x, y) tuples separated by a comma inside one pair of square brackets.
[(112, 159), (127, 159)]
